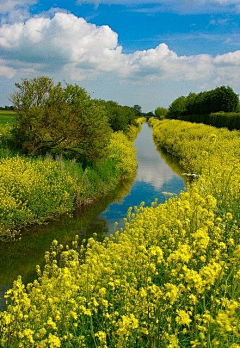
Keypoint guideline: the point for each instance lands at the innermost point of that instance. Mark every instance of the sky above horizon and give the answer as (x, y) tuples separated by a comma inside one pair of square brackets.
[(145, 52)]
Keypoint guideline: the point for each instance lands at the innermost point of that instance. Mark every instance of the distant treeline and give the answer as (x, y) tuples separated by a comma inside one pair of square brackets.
[(11, 108), (218, 107)]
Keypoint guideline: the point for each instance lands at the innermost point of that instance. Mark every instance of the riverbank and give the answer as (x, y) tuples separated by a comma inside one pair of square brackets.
[(170, 279), (154, 178), (34, 190)]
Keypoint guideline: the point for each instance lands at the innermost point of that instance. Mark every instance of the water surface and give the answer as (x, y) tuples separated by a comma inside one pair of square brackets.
[(154, 179), (156, 175)]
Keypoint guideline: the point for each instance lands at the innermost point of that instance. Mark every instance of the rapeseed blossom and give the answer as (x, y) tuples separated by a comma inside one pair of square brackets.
[(169, 279), (33, 190)]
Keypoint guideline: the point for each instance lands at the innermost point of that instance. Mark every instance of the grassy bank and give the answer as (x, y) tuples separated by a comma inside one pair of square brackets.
[(170, 279), (33, 190), (7, 117)]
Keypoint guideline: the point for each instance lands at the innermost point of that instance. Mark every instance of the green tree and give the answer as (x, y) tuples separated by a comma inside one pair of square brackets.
[(160, 112), (54, 119), (177, 108), (238, 107), (137, 110), (224, 99), (119, 116)]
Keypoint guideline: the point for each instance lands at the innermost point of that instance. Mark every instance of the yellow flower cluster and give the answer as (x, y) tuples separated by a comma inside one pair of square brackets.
[(134, 129), (33, 190), (121, 151), (170, 279), (211, 154)]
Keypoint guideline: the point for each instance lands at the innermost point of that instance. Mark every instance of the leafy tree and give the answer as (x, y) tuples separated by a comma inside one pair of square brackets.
[(59, 120), (119, 116), (160, 112), (238, 107), (224, 99), (177, 108), (137, 110)]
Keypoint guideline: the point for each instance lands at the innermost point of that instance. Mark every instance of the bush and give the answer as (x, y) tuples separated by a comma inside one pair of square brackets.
[(160, 112), (59, 120)]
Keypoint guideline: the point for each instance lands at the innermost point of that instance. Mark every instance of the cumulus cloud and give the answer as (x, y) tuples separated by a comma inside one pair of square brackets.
[(227, 66), (12, 10), (228, 59), (84, 50), (6, 71), (10, 5), (163, 63), (64, 39), (69, 45)]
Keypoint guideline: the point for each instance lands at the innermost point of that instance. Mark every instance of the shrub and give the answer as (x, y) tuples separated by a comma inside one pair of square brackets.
[(59, 120)]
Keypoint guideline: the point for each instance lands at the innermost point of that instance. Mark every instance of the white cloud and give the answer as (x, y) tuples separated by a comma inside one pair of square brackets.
[(13, 10), (64, 39), (68, 45), (84, 50), (228, 59), (6, 71), (228, 68), (162, 63)]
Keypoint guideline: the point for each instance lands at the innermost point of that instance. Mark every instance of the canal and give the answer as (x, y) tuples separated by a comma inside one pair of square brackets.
[(158, 177)]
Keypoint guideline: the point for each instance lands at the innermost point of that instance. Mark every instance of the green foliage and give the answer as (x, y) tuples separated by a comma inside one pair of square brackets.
[(177, 108), (137, 110), (59, 120), (220, 99), (119, 116), (160, 112), (135, 127), (6, 141), (149, 114), (230, 120), (238, 107)]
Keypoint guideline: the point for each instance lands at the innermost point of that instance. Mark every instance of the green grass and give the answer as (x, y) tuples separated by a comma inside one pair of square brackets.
[(7, 117)]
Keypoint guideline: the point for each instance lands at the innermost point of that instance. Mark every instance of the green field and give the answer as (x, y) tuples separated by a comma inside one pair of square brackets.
[(7, 117)]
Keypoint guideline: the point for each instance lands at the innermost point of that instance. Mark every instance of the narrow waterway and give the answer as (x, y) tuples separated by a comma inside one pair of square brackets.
[(157, 175)]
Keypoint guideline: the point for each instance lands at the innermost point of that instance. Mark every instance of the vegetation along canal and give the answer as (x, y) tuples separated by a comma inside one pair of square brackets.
[(156, 175)]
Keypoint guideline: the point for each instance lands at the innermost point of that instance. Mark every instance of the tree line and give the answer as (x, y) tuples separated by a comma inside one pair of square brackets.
[(219, 99), (219, 107)]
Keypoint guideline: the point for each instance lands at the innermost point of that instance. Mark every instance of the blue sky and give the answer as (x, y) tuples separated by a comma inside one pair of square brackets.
[(134, 52)]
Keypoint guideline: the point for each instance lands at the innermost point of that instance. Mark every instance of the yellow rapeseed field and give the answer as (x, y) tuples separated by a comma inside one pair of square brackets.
[(171, 279), (33, 190)]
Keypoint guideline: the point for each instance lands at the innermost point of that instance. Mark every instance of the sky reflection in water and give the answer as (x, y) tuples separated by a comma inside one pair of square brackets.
[(154, 176)]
